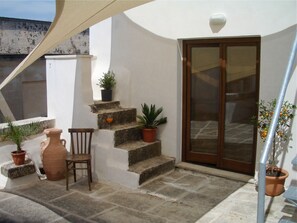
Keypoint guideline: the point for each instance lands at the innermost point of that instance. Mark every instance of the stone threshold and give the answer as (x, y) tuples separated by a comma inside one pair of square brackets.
[(216, 172)]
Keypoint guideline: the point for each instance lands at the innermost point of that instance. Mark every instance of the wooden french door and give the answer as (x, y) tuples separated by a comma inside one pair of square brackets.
[(220, 91)]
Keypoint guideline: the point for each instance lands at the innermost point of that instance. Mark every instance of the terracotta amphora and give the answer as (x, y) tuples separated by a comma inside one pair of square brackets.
[(53, 154)]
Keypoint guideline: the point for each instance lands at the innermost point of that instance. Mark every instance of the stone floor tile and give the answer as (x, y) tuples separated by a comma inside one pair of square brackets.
[(233, 218), (245, 196), (250, 187), (27, 211), (213, 191), (192, 182), (61, 220), (45, 191), (223, 182), (4, 196), (200, 200), (125, 215), (8, 218), (136, 201), (81, 205), (153, 186), (207, 218), (173, 176), (83, 187), (103, 191), (73, 218), (178, 197), (179, 212), (171, 192), (244, 208)]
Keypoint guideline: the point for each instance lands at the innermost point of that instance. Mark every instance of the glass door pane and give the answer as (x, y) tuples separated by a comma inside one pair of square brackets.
[(240, 102), (205, 81)]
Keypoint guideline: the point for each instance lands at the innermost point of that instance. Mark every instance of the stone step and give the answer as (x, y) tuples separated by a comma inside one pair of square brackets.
[(291, 194), (126, 132), (294, 161), (286, 221), (12, 171), (119, 115), (152, 168), (140, 150), (101, 105)]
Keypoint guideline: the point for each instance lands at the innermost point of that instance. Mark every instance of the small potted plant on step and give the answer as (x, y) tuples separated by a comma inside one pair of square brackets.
[(149, 121), (275, 176), (17, 135), (107, 82)]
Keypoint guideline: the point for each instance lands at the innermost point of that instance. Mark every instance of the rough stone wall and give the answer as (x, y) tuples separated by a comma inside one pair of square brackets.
[(20, 36), (26, 94)]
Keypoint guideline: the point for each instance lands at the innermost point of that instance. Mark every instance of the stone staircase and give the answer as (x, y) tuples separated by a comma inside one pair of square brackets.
[(142, 159)]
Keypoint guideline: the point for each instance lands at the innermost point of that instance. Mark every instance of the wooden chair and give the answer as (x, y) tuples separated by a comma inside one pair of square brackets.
[(80, 142)]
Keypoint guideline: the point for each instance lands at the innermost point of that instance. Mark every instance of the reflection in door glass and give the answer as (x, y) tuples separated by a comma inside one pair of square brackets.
[(240, 102), (205, 74)]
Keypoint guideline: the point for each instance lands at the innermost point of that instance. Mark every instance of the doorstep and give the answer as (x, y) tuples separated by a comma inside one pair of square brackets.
[(216, 172)]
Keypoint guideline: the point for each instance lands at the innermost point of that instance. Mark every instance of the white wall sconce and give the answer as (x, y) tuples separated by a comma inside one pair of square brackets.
[(217, 21)]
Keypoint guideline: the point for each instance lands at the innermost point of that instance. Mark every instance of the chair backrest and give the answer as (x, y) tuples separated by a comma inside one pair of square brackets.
[(81, 139)]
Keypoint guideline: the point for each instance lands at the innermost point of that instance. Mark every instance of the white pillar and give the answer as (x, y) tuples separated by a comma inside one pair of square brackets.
[(69, 92)]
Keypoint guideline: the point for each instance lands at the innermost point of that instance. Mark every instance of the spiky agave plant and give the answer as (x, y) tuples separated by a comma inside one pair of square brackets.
[(149, 118)]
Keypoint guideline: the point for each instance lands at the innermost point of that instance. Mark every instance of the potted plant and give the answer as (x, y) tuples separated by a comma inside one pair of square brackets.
[(275, 176), (17, 134), (107, 82), (149, 121)]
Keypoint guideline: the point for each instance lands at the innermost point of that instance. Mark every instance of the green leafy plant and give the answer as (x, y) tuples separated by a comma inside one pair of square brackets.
[(149, 118), (17, 134), (282, 134), (107, 81)]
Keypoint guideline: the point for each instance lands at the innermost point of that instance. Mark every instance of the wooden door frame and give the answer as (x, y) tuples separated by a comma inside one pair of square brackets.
[(187, 44)]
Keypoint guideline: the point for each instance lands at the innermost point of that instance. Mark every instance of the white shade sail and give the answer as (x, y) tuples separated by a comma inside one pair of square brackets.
[(72, 17)]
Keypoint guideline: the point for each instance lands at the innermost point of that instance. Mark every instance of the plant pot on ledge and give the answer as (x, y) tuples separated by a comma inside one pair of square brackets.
[(149, 135), (149, 121), (106, 95), (18, 157), (16, 134), (107, 82)]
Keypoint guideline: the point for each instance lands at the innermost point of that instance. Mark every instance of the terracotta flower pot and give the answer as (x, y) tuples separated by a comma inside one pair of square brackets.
[(149, 135), (18, 157), (275, 185)]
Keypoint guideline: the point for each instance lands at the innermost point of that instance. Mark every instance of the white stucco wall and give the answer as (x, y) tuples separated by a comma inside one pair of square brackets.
[(146, 57), (275, 52), (101, 42)]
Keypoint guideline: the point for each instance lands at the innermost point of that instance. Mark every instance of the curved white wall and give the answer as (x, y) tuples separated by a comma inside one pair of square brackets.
[(101, 47), (146, 57), (190, 19)]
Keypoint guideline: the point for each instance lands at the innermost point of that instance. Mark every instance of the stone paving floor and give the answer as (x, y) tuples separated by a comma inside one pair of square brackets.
[(177, 197), (241, 207)]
